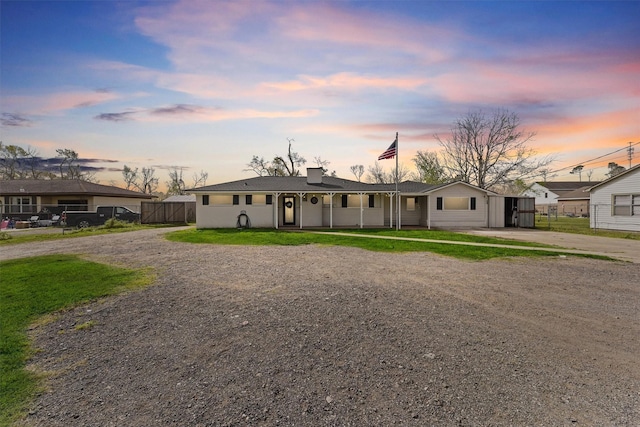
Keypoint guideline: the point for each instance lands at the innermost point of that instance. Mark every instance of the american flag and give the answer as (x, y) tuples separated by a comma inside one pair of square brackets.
[(390, 152)]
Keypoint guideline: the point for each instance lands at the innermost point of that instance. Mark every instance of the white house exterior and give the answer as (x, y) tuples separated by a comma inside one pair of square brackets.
[(547, 193), (615, 203), (324, 201)]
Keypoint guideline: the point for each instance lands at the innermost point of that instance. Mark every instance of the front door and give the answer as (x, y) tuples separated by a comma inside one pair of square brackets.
[(289, 210)]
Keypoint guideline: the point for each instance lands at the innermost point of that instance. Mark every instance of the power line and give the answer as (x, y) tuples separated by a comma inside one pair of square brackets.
[(629, 148)]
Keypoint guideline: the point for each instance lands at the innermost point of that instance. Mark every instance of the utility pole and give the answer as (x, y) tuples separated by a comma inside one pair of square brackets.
[(630, 153)]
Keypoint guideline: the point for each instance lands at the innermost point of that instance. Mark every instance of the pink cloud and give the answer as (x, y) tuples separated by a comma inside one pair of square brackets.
[(57, 102)]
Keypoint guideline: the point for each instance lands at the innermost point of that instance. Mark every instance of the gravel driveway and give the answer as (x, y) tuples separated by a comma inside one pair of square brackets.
[(335, 336)]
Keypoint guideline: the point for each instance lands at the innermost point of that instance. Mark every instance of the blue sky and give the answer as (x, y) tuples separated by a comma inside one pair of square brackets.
[(204, 85)]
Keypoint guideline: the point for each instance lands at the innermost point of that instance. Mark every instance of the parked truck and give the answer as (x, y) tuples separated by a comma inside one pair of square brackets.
[(84, 219)]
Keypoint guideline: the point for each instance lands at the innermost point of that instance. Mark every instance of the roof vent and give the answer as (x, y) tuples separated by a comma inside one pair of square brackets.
[(314, 175)]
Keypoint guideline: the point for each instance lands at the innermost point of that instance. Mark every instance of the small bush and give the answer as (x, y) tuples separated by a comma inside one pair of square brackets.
[(116, 223), (5, 236)]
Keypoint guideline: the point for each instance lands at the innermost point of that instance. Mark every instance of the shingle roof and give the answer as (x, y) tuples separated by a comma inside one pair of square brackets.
[(580, 193), (299, 184), (40, 187), (556, 186)]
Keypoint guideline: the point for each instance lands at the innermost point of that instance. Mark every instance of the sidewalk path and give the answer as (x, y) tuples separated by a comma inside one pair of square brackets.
[(621, 249)]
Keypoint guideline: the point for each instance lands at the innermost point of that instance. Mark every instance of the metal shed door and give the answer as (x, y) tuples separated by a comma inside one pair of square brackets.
[(526, 212)]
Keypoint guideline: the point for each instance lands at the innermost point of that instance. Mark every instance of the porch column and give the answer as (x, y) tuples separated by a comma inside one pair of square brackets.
[(361, 210), (331, 209), (399, 204), (390, 209), (429, 212), (276, 210), (301, 195)]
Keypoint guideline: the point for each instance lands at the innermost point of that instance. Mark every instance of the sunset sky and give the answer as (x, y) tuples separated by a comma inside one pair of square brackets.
[(205, 85)]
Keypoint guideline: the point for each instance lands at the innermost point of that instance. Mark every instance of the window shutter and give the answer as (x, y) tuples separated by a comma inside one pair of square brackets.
[(248, 199), (372, 201), (473, 203), (269, 200), (439, 203), (205, 199), (236, 199), (345, 200)]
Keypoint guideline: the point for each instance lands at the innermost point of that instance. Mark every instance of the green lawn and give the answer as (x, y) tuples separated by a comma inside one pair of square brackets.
[(33, 287), (566, 224), (285, 237)]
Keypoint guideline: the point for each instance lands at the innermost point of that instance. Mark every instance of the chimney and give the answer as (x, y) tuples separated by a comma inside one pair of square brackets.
[(314, 175)]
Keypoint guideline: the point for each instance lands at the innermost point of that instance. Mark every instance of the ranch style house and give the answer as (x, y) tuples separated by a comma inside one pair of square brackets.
[(324, 201)]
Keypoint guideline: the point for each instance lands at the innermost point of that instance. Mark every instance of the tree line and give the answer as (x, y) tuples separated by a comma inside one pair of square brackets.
[(487, 150), (25, 163)]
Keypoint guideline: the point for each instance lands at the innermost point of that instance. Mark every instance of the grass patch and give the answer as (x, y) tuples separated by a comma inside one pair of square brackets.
[(281, 237), (566, 224), (34, 287)]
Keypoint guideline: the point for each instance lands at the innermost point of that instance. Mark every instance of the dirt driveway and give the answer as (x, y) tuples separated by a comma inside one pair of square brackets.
[(332, 336)]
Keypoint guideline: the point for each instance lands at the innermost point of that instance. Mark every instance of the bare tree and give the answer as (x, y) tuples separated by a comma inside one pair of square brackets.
[(487, 151), (260, 166), (200, 179), (430, 171), (147, 183), (69, 168), (279, 166), (377, 175), (324, 164), (175, 185), (357, 171), (19, 163), (291, 166), (130, 177)]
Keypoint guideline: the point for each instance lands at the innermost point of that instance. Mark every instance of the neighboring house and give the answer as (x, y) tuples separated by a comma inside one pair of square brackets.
[(23, 198), (325, 201), (546, 193), (574, 203), (615, 203)]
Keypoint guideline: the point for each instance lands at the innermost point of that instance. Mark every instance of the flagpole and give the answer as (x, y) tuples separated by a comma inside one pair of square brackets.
[(397, 194)]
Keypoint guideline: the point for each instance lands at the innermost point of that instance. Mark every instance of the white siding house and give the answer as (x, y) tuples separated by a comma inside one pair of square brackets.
[(615, 203), (325, 201)]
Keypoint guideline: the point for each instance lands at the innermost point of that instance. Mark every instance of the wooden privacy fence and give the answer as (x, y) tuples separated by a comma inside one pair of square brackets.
[(167, 212)]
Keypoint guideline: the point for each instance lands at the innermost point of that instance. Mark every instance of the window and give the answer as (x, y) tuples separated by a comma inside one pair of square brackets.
[(248, 199), (236, 199), (456, 203), (269, 199), (205, 199), (622, 205), (220, 199), (411, 203), (626, 204), (372, 201), (22, 204), (258, 199), (546, 195), (345, 200)]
